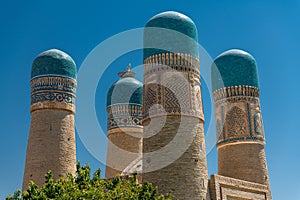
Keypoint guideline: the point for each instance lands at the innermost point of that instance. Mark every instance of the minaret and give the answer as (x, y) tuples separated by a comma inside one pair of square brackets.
[(174, 156), (51, 143), (124, 123), (240, 133)]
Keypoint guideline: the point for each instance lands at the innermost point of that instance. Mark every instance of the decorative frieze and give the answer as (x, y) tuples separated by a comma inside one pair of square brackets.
[(171, 61), (53, 92), (238, 115), (124, 115), (235, 91), (172, 85)]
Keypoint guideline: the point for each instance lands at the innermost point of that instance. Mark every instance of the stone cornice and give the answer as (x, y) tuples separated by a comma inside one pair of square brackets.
[(234, 91), (171, 61)]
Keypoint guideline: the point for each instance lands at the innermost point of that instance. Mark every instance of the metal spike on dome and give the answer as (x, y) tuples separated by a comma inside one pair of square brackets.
[(128, 72)]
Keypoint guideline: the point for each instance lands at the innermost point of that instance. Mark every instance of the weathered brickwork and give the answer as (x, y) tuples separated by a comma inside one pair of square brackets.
[(225, 188), (240, 136), (172, 96), (51, 142), (189, 172), (124, 146), (244, 161), (51, 145), (124, 125)]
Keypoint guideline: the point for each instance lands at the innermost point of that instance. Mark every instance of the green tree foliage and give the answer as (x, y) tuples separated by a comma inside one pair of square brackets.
[(83, 186)]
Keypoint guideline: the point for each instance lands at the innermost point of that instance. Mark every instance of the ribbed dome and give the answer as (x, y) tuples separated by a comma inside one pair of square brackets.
[(232, 68), (127, 90), (168, 39), (53, 62)]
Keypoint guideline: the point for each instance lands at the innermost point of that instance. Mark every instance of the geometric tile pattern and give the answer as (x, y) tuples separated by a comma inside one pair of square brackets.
[(172, 80), (174, 89), (124, 115), (238, 115), (52, 96), (236, 122), (53, 90), (150, 97)]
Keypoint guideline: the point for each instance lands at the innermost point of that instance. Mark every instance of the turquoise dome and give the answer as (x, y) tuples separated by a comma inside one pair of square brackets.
[(127, 90), (167, 40), (53, 62), (232, 68)]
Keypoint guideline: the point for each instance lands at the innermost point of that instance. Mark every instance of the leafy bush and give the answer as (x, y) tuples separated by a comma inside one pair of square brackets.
[(83, 186)]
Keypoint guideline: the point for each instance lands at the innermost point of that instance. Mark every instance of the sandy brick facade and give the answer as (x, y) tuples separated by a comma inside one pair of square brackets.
[(51, 146), (225, 188), (124, 146), (51, 142), (240, 135), (124, 125), (245, 162), (173, 126), (186, 176)]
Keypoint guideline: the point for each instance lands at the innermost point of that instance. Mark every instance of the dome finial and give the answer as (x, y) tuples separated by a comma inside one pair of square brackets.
[(128, 67), (128, 72)]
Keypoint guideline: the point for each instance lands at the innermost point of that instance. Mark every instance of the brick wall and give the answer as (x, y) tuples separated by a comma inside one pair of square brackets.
[(186, 177), (51, 145)]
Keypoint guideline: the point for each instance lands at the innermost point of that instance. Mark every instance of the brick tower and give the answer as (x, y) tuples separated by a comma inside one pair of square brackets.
[(174, 156), (240, 134), (124, 124), (51, 143)]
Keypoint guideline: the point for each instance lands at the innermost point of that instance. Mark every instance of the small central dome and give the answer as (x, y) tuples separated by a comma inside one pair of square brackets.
[(127, 90), (233, 68), (53, 62), (164, 39)]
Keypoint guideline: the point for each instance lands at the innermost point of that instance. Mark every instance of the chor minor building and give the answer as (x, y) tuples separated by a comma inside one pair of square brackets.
[(165, 110)]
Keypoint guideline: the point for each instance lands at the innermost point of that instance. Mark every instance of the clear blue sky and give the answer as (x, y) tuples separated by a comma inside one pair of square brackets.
[(269, 30)]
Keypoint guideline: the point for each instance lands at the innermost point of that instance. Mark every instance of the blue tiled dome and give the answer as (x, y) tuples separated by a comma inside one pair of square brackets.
[(232, 68), (53, 62), (173, 21), (127, 90)]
